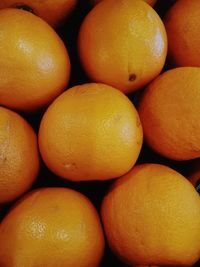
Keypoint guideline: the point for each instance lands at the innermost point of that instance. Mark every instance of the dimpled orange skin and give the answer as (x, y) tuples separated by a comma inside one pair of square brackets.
[(90, 132), (169, 110), (151, 216), (182, 25), (19, 157), (51, 227), (52, 11), (150, 2), (34, 63), (122, 43)]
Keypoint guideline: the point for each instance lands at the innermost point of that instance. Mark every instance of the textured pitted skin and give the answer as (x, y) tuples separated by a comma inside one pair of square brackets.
[(182, 25), (34, 63), (169, 111), (51, 227), (122, 43), (90, 132), (19, 157), (151, 216), (150, 2)]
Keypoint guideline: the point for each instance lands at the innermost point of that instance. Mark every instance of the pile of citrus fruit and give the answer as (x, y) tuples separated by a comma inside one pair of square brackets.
[(99, 133)]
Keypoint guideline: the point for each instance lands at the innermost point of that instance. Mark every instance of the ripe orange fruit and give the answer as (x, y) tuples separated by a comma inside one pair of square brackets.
[(34, 65), (90, 132), (19, 159), (54, 12), (182, 25), (122, 43), (51, 227), (150, 2), (169, 110), (151, 217)]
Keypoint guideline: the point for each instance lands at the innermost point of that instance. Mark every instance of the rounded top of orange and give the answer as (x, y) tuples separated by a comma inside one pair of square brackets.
[(122, 43), (150, 2), (52, 227), (182, 25), (90, 132), (53, 12), (151, 217), (169, 110), (19, 158), (34, 65)]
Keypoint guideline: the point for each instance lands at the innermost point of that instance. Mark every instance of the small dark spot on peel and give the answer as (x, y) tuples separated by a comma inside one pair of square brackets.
[(3, 159), (132, 77), (24, 7)]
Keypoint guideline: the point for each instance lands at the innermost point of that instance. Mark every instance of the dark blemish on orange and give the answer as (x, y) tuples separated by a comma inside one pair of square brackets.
[(24, 7), (132, 77)]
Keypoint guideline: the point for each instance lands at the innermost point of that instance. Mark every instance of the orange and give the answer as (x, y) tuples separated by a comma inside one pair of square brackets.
[(54, 12), (169, 110), (19, 159), (90, 132), (34, 63), (151, 217), (51, 227), (150, 2), (182, 25), (122, 43)]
